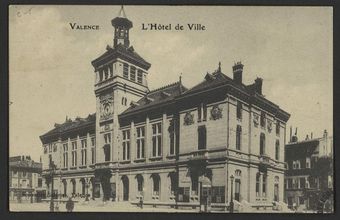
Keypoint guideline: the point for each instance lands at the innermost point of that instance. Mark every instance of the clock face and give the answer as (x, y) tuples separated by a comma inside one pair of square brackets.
[(106, 107)]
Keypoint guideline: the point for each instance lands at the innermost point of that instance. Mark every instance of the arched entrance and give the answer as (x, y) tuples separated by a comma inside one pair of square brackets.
[(125, 182), (83, 186), (73, 181), (65, 188)]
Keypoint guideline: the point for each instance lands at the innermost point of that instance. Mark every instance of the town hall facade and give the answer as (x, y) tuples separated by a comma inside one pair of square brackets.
[(171, 146)]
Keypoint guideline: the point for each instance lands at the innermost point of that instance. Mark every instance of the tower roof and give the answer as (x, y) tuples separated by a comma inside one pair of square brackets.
[(121, 20)]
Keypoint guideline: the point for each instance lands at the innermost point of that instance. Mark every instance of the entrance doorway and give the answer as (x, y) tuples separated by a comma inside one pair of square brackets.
[(125, 181), (237, 189)]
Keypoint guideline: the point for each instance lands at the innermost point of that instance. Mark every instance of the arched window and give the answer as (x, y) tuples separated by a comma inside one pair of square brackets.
[(276, 188), (106, 149), (237, 195), (194, 184), (262, 144), (122, 100), (140, 183), (258, 184), (173, 182), (264, 185), (125, 101), (238, 137), (65, 187), (277, 150), (156, 184), (73, 186)]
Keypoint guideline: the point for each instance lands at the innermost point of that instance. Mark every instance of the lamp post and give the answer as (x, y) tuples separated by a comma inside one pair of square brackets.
[(231, 196), (52, 170)]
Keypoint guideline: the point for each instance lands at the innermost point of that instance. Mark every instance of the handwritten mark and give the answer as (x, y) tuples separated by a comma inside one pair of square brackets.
[(27, 12)]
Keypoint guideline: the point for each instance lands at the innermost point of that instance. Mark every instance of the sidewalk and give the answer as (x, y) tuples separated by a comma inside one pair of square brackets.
[(92, 206)]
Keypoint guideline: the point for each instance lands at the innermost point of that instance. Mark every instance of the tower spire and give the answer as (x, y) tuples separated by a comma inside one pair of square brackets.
[(122, 26), (122, 12)]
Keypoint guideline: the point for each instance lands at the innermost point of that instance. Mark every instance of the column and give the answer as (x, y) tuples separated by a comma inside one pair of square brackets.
[(165, 136), (133, 147), (147, 138)]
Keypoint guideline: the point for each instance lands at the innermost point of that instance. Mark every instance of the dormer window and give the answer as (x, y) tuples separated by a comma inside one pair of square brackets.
[(126, 70), (263, 119), (277, 128), (133, 73), (202, 112), (239, 110), (140, 76)]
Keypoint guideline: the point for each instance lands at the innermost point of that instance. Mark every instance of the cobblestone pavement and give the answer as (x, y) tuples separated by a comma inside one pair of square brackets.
[(90, 207)]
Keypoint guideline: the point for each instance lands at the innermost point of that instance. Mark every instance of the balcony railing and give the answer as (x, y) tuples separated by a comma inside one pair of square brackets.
[(199, 155)]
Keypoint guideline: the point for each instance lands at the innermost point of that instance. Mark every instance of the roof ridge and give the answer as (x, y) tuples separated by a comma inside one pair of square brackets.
[(163, 87)]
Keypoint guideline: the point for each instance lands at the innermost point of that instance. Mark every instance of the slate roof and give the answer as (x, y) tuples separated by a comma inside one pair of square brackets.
[(210, 81), (157, 96), (25, 164), (69, 125), (127, 52)]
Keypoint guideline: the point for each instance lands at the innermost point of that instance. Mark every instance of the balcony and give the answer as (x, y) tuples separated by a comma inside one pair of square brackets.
[(264, 162), (199, 157)]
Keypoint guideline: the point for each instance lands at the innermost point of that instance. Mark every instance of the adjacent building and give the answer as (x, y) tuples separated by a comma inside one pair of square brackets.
[(309, 175), (171, 146), (25, 180)]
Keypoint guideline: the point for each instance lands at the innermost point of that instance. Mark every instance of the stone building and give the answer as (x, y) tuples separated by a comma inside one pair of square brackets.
[(171, 146), (309, 174), (25, 181)]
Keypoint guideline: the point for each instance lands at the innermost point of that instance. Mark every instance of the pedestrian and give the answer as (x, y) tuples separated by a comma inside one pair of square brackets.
[(69, 205)]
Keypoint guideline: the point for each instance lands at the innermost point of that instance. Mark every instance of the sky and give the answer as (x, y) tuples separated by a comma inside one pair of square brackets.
[(51, 75)]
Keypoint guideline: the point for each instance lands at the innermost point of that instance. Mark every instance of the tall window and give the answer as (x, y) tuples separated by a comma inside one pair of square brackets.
[(126, 145), (140, 142), (202, 139), (133, 73), (107, 146), (194, 184), (262, 144), (307, 162), (173, 182), (277, 150), (93, 150), (238, 137), (74, 154), (156, 139), (156, 184), (263, 119), (106, 72), (111, 70), (277, 128), (140, 76), (258, 184), (264, 184), (202, 112), (83, 152), (172, 137), (65, 155), (140, 183), (276, 188), (50, 148), (239, 110), (126, 70)]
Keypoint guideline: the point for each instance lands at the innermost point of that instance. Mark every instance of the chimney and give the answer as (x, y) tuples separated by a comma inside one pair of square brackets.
[(311, 135), (258, 85), (237, 72), (290, 134)]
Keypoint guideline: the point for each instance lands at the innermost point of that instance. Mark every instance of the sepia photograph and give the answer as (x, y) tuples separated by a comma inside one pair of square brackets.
[(174, 109)]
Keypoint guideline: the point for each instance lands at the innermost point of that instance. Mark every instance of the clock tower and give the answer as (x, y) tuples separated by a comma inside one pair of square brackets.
[(120, 78)]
